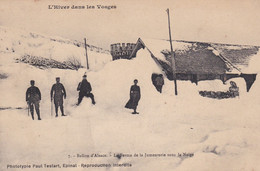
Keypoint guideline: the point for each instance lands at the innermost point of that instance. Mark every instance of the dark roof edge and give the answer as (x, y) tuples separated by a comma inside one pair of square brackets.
[(185, 41)]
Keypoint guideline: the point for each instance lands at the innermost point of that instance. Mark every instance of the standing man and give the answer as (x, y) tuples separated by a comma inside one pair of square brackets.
[(135, 95), (59, 92), (33, 97), (85, 89), (159, 83)]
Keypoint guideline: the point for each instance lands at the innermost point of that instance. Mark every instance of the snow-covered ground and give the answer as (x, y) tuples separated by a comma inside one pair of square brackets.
[(18, 43), (220, 134)]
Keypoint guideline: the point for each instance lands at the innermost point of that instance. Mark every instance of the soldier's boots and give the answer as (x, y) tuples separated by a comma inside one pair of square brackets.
[(61, 115), (62, 111), (39, 118)]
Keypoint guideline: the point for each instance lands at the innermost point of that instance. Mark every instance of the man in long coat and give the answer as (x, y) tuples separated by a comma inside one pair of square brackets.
[(58, 92), (33, 97)]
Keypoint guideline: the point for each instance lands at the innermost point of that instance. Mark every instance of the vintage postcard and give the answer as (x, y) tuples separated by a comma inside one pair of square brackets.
[(122, 85)]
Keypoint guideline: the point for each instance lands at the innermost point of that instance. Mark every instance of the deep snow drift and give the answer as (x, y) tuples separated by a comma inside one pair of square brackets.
[(221, 134)]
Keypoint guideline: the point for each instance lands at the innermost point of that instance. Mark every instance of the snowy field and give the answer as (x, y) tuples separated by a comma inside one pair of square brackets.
[(219, 134)]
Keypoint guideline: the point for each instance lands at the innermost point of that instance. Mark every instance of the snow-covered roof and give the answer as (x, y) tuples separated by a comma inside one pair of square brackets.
[(199, 57)]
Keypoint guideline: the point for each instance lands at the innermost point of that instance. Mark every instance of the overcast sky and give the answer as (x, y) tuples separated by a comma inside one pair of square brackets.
[(221, 21)]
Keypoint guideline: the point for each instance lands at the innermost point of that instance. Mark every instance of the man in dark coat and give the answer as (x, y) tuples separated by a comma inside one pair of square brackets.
[(33, 97), (59, 92), (85, 89), (135, 95)]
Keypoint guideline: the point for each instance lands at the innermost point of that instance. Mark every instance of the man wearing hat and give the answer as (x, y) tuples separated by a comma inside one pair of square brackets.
[(85, 89), (59, 92), (33, 97)]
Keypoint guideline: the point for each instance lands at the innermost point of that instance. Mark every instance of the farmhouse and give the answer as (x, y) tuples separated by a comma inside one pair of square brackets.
[(197, 61)]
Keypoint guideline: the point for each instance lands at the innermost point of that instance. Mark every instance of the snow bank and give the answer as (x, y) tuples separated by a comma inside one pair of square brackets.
[(115, 80), (219, 133), (156, 46)]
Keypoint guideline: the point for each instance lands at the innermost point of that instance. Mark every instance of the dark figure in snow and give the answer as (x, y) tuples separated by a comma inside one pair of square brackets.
[(135, 95), (233, 89), (85, 89), (59, 92), (33, 97), (159, 82)]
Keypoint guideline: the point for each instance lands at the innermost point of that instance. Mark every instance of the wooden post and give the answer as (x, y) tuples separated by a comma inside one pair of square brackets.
[(86, 52), (172, 56)]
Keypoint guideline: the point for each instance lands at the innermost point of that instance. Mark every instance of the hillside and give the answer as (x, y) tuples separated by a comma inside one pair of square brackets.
[(35, 48)]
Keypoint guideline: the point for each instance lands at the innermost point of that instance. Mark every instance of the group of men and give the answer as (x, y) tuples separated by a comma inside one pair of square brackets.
[(58, 92)]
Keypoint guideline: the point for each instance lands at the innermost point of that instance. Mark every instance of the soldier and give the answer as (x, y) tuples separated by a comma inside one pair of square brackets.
[(135, 95), (59, 92), (33, 97), (85, 89)]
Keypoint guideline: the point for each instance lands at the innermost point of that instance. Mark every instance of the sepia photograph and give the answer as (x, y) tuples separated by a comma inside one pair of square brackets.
[(120, 85)]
